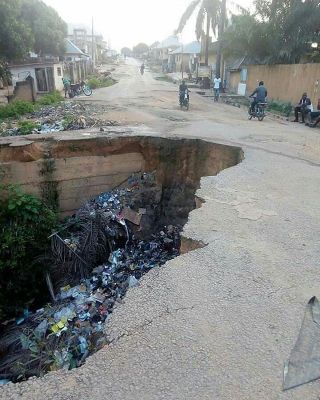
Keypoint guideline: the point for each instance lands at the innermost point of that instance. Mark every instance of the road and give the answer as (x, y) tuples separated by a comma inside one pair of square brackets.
[(218, 322)]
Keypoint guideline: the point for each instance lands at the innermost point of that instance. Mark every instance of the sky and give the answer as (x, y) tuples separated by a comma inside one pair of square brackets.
[(128, 22)]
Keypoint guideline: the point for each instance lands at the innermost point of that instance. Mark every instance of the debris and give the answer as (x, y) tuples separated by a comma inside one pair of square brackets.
[(96, 256), (131, 216), (304, 363)]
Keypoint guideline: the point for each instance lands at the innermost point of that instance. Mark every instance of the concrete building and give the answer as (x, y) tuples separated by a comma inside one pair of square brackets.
[(94, 45), (46, 72), (186, 57)]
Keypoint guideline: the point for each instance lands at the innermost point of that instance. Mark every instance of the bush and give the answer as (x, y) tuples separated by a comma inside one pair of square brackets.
[(25, 224), (284, 108), (15, 109), (100, 81), (51, 98), (27, 127)]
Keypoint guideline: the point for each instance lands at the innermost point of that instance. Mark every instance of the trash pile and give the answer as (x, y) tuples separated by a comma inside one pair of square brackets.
[(63, 334), (68, 115)]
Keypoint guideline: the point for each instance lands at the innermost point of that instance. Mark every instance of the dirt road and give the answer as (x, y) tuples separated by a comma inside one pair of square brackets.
[(218, 322)]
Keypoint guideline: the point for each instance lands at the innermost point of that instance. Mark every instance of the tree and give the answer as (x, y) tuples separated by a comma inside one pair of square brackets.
[(125, 51), (16, 37), (30, 25), (209, 12), (49, 30), (279, 32), (140, 49)]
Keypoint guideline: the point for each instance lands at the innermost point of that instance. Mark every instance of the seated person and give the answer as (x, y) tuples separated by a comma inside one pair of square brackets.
[(313, 114), (304, 107), (317, 121)]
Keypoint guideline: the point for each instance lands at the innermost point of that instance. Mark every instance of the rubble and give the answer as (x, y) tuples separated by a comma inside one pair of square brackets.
[(68, 115), (98, 255)]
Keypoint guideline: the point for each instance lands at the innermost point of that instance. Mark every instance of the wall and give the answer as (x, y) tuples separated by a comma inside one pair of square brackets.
[(233, 81), (286, 82), (68, 172), (20, 72)]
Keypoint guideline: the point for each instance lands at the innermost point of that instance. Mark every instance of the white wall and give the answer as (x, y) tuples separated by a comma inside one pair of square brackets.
[(20, 72)]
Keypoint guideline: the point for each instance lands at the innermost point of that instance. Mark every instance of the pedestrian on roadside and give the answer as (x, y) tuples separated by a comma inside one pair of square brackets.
[(216, 86), (304, 107), (66, 86)]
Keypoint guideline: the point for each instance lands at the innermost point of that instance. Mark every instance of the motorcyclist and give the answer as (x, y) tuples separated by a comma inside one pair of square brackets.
[(142, 68), (259, 94), (182, 90)]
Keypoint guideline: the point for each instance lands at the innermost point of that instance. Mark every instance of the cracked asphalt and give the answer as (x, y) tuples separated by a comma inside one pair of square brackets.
[(217, 322)]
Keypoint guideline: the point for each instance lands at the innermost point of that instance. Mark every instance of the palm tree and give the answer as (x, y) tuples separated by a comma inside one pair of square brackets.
[(214, 12), (209, 12)]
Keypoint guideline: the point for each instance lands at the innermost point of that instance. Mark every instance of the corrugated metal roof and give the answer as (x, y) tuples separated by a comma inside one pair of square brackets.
[(171, 41), (190, 48), (71, 48)]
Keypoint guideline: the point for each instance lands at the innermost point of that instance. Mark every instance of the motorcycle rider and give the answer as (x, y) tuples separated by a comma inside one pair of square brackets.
[(142, 68), (182, 90), (260, 94)]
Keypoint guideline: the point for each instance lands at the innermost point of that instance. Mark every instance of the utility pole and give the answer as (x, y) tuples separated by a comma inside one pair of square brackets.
[(92, 42), (182, 60), (221, 31)]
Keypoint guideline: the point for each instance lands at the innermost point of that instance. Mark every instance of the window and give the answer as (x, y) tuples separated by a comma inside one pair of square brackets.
[(243, 75), (59, 71)]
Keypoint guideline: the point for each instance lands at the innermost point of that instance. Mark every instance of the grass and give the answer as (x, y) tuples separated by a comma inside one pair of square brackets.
[(280, 107), (96, 82), (27, 127), (20, 107)]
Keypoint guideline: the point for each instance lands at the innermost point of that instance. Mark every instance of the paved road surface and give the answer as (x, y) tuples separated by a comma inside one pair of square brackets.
[(219, 322)]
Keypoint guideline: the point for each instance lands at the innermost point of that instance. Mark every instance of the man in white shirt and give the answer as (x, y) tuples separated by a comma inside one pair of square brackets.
[(216, 86)]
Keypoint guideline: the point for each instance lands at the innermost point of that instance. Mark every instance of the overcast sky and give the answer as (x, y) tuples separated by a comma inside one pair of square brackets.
[(128, 22)]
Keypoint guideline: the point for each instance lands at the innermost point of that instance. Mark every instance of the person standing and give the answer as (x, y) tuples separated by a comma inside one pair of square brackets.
[(216, 86)]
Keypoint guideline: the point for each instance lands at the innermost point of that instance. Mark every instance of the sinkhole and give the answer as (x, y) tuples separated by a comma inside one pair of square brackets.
[(124, 201)]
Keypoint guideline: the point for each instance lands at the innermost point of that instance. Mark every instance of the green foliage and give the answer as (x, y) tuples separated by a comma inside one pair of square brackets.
[(48, 29), (15, 109), (279, 32), (49, 99), (27, 127), (30, 25), (125, 51), (96, 82), (25, 224), (284, 108), (140, 49), (16, 38), (20, 107), (5, 73)]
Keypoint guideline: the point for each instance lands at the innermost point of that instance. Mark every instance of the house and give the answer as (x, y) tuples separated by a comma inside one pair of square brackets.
[(164, 49), (236, 74), (46, 73), (77, 65), (93, 45), (186, 57)]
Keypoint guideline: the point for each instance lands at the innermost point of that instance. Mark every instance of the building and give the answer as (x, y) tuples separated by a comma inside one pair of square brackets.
[(163, 51), (94, 45), (46, 72), (77, 65), (186, 57)]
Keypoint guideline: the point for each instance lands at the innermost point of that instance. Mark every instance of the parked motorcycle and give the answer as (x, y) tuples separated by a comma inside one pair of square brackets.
[(79, 88), (259, 110), (184, 99)]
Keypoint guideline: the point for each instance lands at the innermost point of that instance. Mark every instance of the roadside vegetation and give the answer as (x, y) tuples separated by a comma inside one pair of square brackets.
[(100, 81), (25, 224), (20, 107)]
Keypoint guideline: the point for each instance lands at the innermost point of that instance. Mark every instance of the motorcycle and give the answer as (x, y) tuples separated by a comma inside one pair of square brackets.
[(79, 88), (259, 110), (184, 99)]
